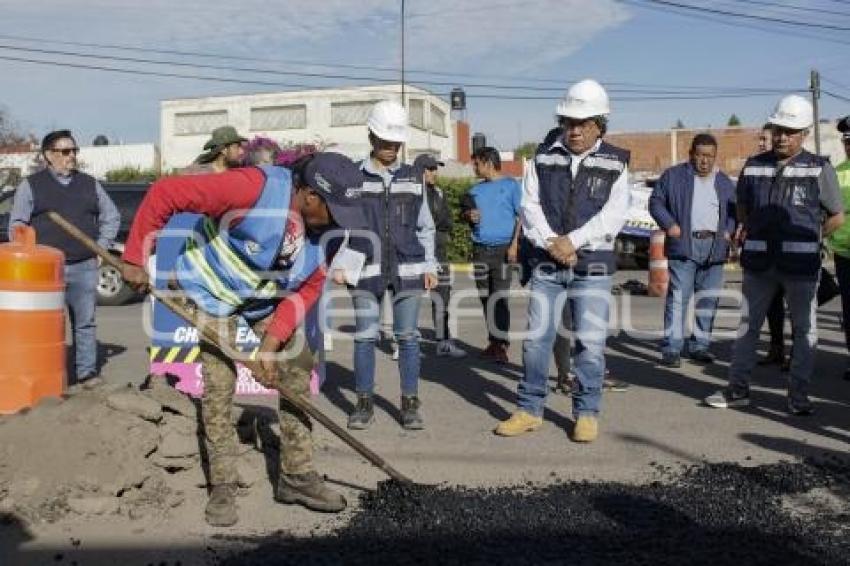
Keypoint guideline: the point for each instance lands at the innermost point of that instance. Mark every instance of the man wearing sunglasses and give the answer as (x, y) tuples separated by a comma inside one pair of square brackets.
[(788, 201), (83, 202)]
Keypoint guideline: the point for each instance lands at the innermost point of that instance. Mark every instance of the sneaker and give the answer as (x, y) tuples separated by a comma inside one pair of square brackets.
[(702, 356), (775, 355), (615, 385), (364, 413), (310, 491), (670, 360), (586, 429), (519, 423), (501, 355), (410, 417), (728, 398), (800, 406), (221, 506), (490, 351), (92, 382), (394, 346), (448, 348)]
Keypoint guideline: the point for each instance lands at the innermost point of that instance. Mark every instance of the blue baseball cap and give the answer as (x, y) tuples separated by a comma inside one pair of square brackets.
[(339, 182)]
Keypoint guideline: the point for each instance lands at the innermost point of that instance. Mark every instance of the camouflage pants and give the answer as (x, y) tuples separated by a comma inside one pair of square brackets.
[(219, 373)]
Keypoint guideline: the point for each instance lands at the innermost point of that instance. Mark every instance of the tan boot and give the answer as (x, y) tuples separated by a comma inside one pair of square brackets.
[(586, 429), (519, 423), (221, 506)]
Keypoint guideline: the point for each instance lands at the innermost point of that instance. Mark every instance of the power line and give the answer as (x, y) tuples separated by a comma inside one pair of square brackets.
[(714, 11), (836, 96), (646, 91), (834, 83), (627, 99), (562, 82), (806, 9)]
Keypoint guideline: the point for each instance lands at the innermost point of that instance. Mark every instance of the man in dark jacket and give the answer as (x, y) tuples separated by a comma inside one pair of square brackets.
[(694, 204), (427, 165)]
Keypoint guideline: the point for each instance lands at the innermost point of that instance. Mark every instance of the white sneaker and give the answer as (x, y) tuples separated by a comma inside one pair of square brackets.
[(448, 348)]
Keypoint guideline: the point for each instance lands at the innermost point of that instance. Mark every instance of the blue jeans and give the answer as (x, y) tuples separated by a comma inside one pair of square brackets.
[(588, 300), (689, 277), (81, 298), (405, 319)]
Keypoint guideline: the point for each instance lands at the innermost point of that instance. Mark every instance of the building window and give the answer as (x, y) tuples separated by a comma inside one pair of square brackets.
[(438, 121), (351, 113), (275, 118), (194, 123), (417, 113)]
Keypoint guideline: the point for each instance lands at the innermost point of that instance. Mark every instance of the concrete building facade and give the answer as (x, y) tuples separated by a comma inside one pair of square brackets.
[(334, 118)]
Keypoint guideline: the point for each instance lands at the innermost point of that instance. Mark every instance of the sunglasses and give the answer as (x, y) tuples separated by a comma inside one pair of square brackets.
[(67, 151)]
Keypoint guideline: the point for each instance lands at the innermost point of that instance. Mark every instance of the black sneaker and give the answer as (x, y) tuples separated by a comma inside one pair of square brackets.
[(800, 406), (728, 398), (410, 417), (221, 506), (364, 413), (671, 360), (702, 356), (310, 491)]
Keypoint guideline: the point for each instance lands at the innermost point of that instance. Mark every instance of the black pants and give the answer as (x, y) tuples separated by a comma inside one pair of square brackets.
[(776, 319), (492, 276), (440, 297), (842, 273)]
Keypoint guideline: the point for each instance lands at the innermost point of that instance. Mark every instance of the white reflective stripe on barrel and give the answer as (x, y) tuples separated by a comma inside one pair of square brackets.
[(658, 264), (32, 300)]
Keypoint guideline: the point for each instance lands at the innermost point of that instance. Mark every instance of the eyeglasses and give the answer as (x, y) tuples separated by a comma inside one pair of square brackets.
[(66, 151)]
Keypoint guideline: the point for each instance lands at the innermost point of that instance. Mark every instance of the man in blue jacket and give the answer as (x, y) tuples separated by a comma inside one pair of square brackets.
[(694, 204)]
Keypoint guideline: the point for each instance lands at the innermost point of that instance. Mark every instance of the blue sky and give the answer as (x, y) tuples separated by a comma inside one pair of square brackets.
[(495, 42)]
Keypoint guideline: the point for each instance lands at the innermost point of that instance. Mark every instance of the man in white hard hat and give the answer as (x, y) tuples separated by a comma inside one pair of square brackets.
[(400, 259), (575, 199), (788, 201)]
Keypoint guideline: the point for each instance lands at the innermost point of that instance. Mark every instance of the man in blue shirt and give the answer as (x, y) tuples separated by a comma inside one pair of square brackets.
[(492, 209), (695, 205), (83, 202)]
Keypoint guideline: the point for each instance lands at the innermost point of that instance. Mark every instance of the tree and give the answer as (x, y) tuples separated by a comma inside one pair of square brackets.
[(525, 151), (734, 120), (11, 133), (679, 125)]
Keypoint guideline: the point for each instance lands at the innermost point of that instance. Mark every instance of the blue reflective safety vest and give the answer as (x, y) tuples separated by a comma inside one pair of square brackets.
[(235, 270), (783, 214), (568, 203), (392, 213)]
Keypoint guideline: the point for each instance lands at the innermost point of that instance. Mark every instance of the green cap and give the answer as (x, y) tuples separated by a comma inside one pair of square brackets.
[(225, 135)]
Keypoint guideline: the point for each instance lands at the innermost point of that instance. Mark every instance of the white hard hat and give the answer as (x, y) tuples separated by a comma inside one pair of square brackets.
[(793, 112), (584, 99), (388, 121)]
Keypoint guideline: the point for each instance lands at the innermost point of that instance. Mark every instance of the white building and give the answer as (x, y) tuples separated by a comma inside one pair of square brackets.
[(333, 117), (97, 161)]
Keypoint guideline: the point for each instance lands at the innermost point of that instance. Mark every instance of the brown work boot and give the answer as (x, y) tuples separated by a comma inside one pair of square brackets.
[(310, 491), (519, 423), (221, 506)]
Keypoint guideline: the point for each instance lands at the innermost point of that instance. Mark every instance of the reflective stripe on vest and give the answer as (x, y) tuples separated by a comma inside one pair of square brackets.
[(755, 245), (800, 247)]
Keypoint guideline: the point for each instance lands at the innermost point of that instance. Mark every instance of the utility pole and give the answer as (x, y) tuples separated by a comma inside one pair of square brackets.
[(814, 87), (403, 102)]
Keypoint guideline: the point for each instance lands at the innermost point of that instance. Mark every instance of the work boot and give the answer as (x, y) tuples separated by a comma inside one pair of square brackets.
[(586, 429), (410, 417), (221, 506), (519, 423), (364, 413), (310, 491)]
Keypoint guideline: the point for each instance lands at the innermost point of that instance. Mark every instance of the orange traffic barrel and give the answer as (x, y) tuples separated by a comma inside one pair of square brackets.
[(659, 277), (32, 321)]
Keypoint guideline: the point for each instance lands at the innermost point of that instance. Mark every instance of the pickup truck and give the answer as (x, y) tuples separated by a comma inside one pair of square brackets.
[(111, 290)]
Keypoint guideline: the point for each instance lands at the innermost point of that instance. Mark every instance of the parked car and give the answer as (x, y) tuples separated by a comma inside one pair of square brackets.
[(111, 289)]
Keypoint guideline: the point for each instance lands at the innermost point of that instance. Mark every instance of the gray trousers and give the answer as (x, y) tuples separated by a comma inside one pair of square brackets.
[(759, 289)]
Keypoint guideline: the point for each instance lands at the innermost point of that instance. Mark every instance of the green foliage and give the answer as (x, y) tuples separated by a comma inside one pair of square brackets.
[(525, 151), (734, 120), (132, 175), (460, 244)]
